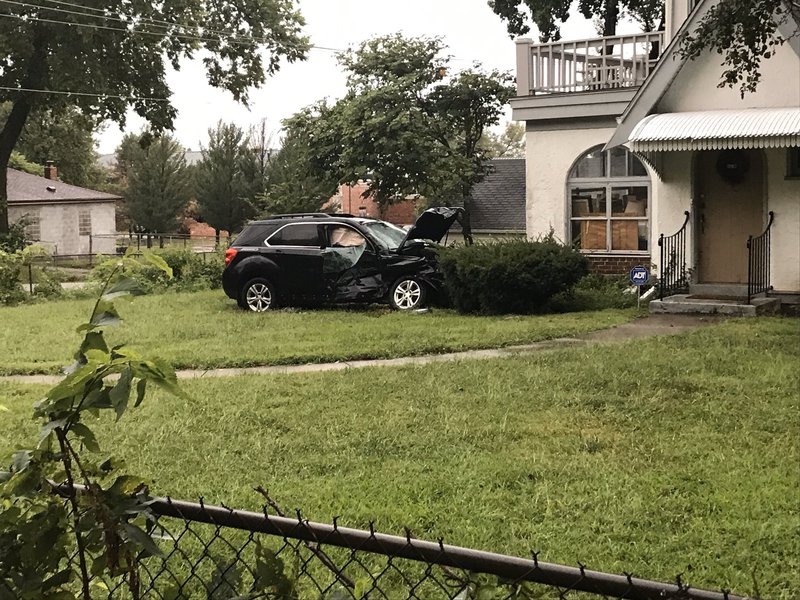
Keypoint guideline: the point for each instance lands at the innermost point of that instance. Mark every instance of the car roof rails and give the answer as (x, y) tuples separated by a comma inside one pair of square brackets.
[(295, 215), (314, 215)]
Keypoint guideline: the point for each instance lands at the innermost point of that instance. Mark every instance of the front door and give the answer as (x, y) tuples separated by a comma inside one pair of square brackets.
[(730, 207)]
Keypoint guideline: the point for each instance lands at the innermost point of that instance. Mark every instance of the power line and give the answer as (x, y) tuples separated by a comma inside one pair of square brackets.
[(166, 27), (89, 94)]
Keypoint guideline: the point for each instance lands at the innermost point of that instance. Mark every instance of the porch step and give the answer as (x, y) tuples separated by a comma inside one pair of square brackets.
[(719, 290), (691, 304)]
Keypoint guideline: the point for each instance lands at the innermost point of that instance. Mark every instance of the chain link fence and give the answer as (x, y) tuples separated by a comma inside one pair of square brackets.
[(218, 553)]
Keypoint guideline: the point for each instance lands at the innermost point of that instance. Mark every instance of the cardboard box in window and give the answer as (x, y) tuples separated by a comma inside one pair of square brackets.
[(624, 235)]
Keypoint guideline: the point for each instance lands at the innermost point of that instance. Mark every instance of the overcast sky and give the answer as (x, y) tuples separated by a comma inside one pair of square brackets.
[(469, 28)]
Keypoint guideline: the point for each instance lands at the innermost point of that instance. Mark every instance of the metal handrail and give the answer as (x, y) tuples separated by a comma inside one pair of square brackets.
[(673, 276), (758, 261)]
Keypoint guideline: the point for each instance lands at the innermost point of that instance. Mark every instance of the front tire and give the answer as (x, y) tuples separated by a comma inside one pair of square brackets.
[(407, 293), (258, 295)]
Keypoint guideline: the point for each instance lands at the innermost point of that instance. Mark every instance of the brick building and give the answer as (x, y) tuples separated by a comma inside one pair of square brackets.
[(351, 200)]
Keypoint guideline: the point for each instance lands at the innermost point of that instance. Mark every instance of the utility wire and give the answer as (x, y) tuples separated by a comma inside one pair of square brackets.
[(166, 26), (93, 95)]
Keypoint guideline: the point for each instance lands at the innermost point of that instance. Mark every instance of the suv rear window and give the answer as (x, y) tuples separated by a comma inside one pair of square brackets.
[(254, 235), (300, 234)]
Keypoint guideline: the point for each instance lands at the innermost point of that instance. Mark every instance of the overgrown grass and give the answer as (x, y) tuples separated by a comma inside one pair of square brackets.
[(657, 457), (206, 329)]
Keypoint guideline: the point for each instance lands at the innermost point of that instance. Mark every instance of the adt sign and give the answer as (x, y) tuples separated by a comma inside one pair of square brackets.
[(639, 276)]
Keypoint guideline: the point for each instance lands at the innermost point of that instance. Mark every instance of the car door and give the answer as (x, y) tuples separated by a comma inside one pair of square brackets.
[(297, 250), (351, 265)]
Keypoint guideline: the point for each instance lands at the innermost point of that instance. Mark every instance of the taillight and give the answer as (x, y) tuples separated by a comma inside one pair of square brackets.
[(229, 254)]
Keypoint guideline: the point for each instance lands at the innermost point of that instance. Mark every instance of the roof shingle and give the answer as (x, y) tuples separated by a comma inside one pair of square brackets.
[(25, 188)]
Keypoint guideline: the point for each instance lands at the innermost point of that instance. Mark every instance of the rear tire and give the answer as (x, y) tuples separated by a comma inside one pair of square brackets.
[(408, 293), (258, 295)]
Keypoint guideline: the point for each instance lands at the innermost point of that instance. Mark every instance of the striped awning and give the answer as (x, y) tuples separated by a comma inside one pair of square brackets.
[(717, 130)]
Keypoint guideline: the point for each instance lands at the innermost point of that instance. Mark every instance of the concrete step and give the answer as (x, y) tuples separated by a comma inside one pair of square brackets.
[(690, 304), (720, 290)]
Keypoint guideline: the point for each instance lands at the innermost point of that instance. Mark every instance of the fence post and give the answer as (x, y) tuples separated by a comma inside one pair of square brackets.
[(30, 277), (91, 253)]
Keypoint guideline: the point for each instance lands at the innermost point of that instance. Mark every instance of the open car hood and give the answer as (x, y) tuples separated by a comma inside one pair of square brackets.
[(432, 225)]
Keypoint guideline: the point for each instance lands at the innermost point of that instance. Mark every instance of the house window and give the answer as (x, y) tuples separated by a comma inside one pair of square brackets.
[(609, 202), (84, 222), (793, 162), (33, 226)]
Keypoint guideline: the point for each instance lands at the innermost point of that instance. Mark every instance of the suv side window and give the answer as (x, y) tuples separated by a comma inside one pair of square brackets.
[(254, 235), (298, 234)]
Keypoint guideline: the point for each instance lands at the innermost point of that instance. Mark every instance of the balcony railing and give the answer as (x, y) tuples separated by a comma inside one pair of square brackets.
[(598, 64)]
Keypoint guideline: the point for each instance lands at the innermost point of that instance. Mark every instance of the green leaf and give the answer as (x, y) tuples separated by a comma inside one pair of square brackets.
[(140, 538), (141, 388), (93, 340), (121, 392), (86, 436), (21, 460), (51, 426), (4, 409), (124, 287), (158, 262), (58, 579), (125, 485)]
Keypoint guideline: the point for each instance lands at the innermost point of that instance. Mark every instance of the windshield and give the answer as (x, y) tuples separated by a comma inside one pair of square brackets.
[(387, 235)]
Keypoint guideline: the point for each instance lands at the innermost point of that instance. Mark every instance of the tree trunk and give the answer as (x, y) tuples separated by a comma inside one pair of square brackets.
[(216, 237), (466, 223), (21, 109)]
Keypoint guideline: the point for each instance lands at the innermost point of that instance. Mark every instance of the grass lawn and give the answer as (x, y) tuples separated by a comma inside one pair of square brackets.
[(657, 457), (206, 329)]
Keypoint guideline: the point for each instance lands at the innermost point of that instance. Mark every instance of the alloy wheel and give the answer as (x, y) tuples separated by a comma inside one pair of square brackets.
[(407, 294), (259, 297)]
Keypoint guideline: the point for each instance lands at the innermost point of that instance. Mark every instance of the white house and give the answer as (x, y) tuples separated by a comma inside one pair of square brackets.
[(65, 219), (626, 142)]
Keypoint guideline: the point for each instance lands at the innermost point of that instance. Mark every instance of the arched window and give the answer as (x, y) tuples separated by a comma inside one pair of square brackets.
[(609, 202)]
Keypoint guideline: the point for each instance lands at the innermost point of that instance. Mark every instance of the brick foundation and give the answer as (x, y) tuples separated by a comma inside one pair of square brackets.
[(616, 265)]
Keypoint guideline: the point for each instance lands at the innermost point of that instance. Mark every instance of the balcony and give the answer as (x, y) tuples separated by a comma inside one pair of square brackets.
[(599, 64)]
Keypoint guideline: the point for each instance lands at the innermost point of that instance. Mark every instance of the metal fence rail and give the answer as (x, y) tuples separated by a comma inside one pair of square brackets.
[(674, 275), (215, 553), (758, 261)]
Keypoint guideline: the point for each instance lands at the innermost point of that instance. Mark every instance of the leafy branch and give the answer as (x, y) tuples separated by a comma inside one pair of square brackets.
[(106, 527)]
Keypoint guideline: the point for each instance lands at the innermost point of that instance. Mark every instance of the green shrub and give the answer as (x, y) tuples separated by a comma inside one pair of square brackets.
[(49, 284), (178, 259), (149, 277), (203, 273), (596, 292), (11, 291), (514, 276)]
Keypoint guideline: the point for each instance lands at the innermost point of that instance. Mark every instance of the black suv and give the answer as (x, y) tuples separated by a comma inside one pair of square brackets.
[(335, 258)]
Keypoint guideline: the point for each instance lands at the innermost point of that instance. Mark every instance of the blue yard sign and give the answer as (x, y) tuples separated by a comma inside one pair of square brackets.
[(639, 276)]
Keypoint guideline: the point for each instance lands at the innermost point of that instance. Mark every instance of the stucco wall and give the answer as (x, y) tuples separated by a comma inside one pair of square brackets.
[(695, 87), (672, 195), (783, 197), (549, 158), (58, 225)]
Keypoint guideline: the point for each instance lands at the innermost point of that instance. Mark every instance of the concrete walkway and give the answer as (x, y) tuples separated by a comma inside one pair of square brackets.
[(645, 327)]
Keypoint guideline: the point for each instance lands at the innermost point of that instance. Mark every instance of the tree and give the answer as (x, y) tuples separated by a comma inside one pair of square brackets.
[(744, 32), (257, 158), (158, 186), (508, 144), (292, 186), (547, 15), (406, 126), (112, 56), (224, 193), (63, 135)]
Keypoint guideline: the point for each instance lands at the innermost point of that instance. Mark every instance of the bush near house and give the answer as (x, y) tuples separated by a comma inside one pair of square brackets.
[(516, 276), (191, 271)]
